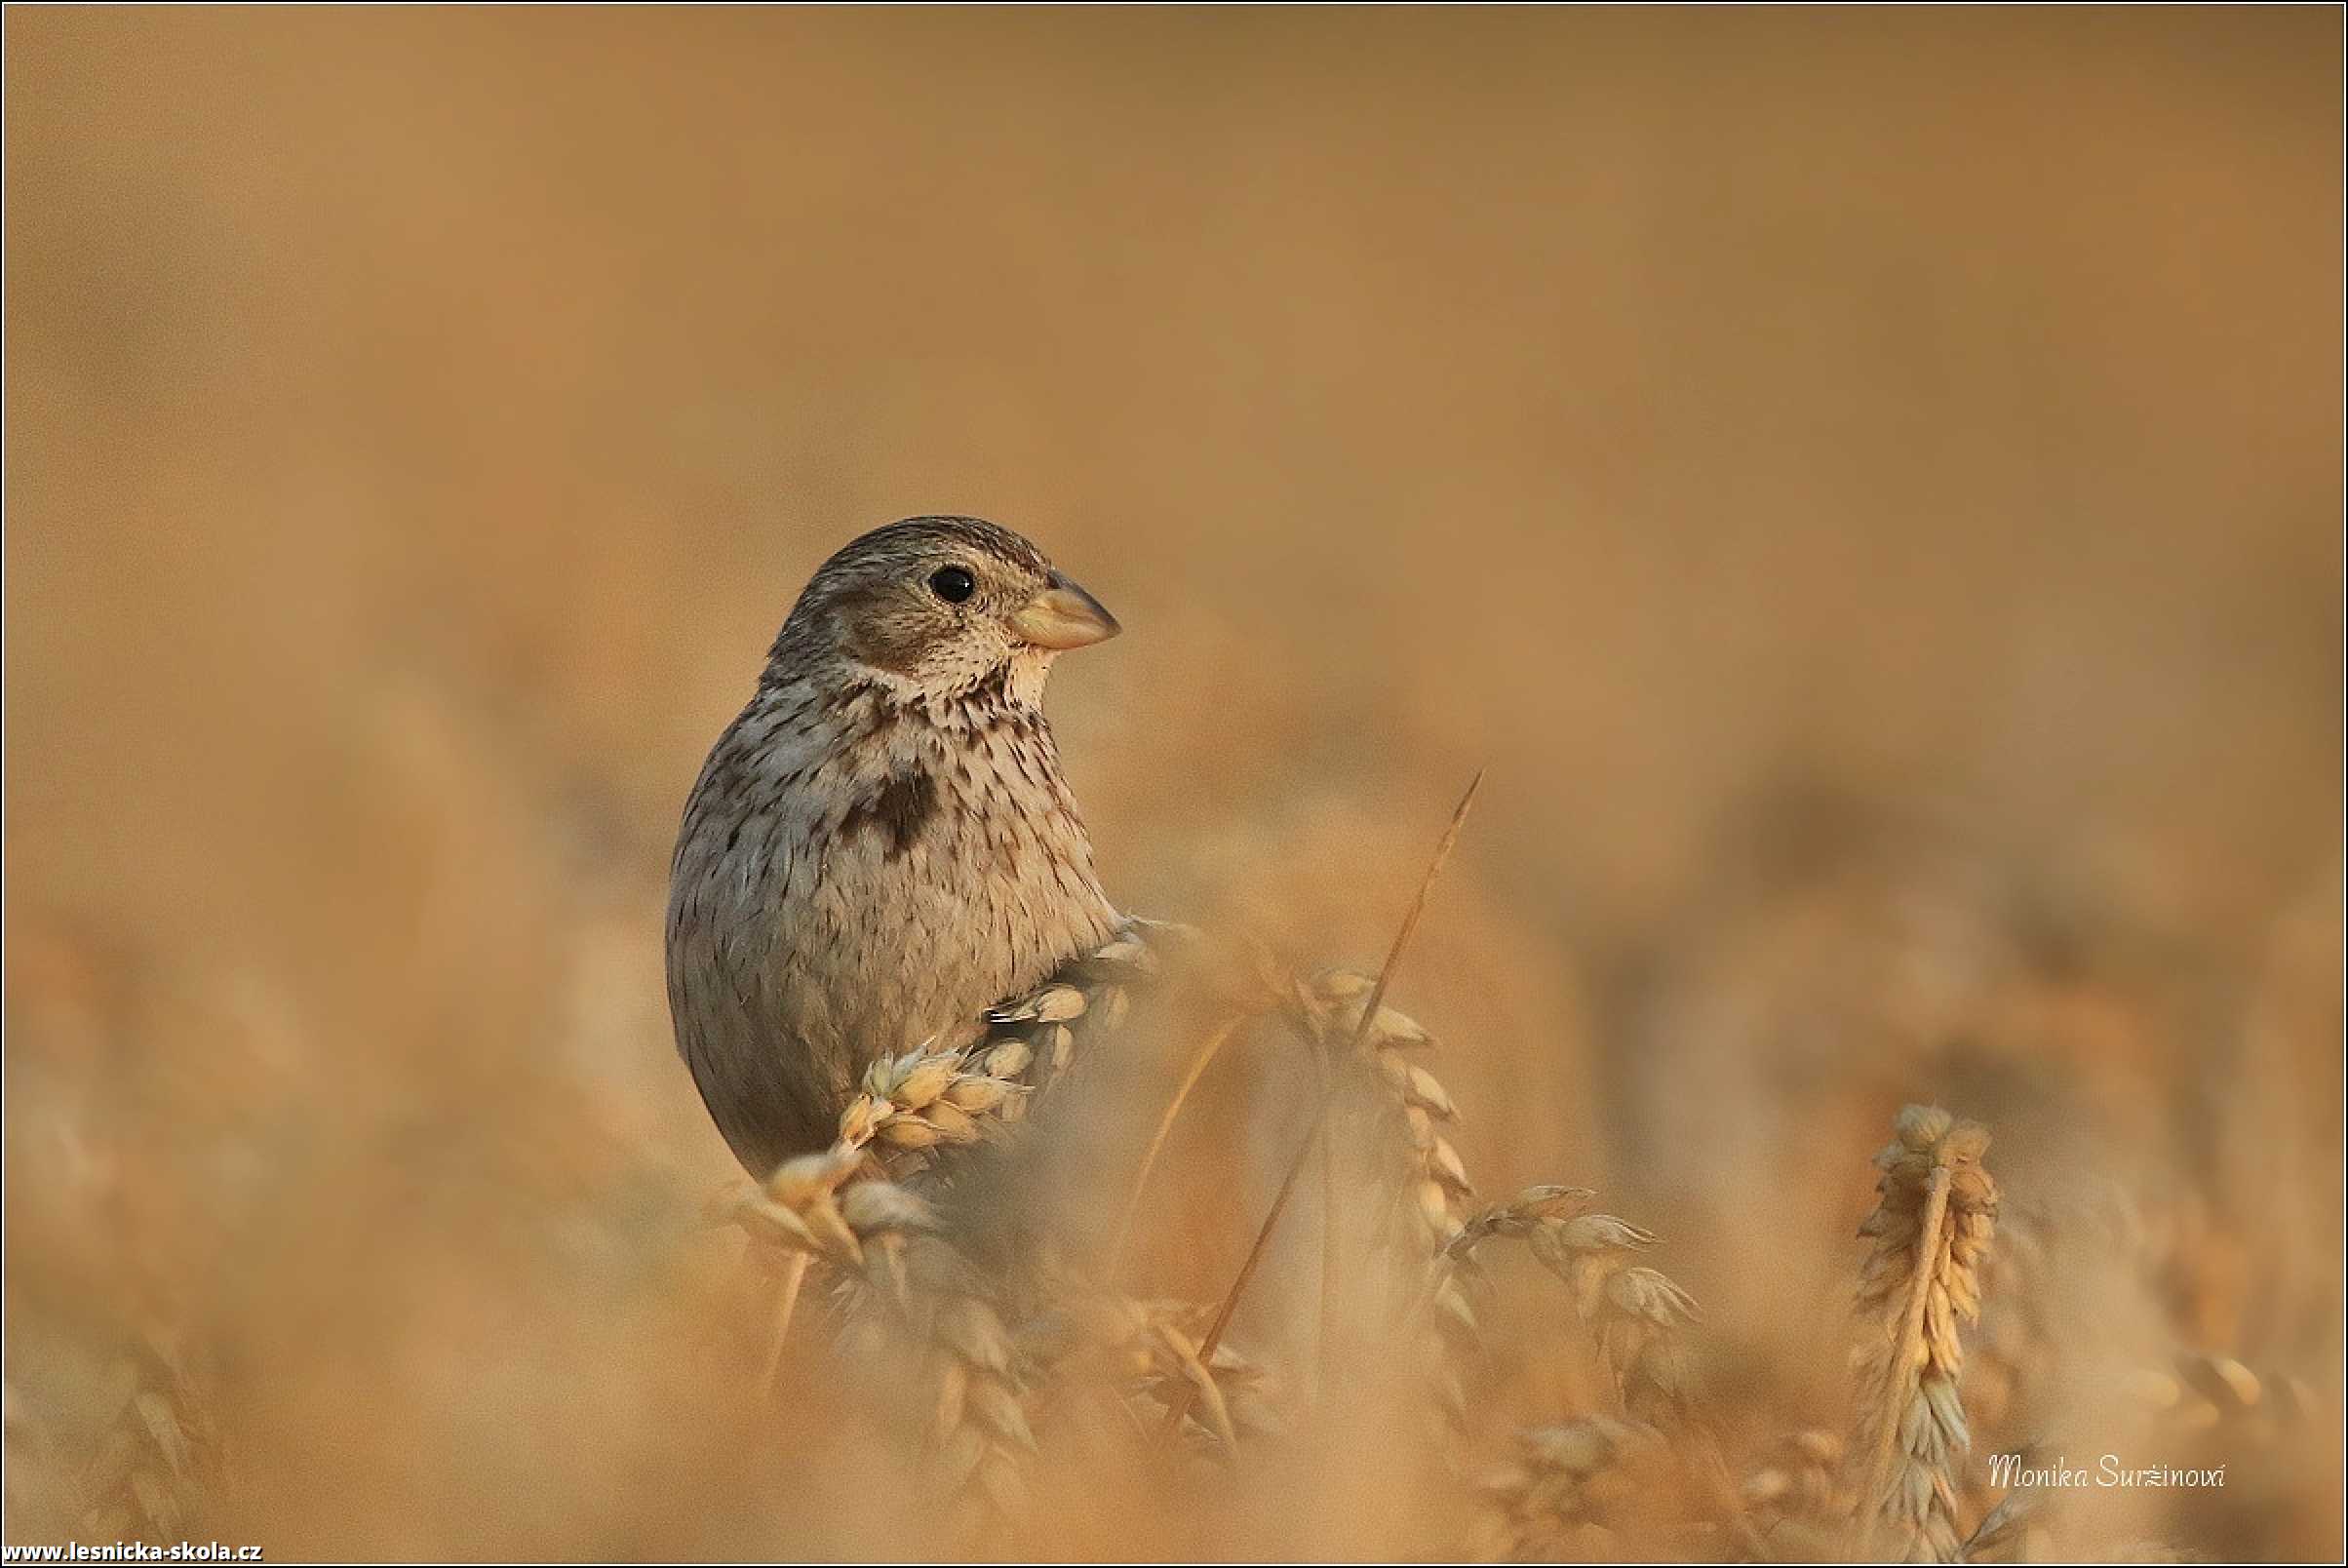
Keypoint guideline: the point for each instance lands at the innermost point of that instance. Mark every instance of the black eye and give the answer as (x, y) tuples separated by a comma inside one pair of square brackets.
[(953, 584)]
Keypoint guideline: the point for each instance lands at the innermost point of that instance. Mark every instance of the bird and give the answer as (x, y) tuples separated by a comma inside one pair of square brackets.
[(881, 846), (886, 942)]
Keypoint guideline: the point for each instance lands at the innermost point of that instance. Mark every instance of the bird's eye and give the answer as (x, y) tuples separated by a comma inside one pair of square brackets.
[(953, 584)]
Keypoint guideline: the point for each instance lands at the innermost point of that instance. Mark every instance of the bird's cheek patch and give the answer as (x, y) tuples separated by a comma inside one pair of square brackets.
[(872, 635)]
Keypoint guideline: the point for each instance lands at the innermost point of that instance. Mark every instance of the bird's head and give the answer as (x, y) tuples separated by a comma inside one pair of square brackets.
[(932, 607)]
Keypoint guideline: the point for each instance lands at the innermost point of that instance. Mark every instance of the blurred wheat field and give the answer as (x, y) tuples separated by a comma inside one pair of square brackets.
[(1866, 484)]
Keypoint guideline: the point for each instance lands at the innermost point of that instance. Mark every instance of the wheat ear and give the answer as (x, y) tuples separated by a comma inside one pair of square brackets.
[(1334, 1009), (909, 1110), (1370, 1012), (156, 1452), (1152, 1352), (1921, 1282), (881, 1234), (1565, 1493)]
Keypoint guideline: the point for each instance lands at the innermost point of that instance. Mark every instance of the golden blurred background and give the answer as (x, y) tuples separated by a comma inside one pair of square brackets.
[(1867, 485)]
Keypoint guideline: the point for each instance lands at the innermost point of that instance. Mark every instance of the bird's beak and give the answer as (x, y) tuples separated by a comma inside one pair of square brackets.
[(1062, 616)]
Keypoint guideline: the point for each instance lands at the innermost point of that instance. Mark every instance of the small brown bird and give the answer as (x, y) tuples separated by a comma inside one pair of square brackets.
[(881, 846)]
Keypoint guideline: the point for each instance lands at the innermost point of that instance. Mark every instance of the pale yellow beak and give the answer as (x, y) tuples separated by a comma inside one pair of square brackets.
[(1064, 616)]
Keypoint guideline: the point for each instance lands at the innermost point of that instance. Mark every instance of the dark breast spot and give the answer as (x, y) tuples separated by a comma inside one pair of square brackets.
[(899, 810)]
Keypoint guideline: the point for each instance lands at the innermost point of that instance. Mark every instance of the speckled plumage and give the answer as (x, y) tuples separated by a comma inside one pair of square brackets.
[(881, 846)]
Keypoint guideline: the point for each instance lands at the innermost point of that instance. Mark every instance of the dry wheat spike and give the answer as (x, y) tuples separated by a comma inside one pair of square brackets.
[(1798, 1498), (881, 1237), (1919, 1286), (1585, 1490)]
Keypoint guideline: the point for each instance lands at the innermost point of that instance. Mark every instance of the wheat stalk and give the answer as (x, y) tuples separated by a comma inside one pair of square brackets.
[(1201, 1060)]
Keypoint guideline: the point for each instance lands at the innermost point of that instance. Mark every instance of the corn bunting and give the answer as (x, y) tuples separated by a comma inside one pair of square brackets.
[(881, 846)]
